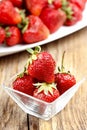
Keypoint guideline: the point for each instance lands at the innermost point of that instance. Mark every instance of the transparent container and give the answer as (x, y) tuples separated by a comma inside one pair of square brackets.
[(39, 108)]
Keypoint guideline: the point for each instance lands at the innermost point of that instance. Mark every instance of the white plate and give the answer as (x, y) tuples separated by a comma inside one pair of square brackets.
[(62, 32)]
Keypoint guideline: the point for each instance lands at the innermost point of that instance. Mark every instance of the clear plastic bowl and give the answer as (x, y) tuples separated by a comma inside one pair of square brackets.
[(39, 108)]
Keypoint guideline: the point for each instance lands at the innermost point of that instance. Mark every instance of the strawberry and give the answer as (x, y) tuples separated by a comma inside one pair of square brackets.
[(73, 13), (57, 3), (13, 35), (36, 6), (2, 35), (53, 18), (8, 14), (36, 30), (24, 83), (79, 3), (64, 79), (17, 3), (41, 66), (46, 92)]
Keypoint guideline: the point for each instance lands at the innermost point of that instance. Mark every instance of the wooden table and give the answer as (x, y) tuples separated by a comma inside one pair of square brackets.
[(74, 115)]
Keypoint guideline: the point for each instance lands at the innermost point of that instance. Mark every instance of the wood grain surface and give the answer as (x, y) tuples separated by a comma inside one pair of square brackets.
[(74, 115)]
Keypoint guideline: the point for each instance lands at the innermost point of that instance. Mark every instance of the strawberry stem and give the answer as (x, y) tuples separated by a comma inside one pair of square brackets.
[(35, 51), (62, 68), (62, 63)]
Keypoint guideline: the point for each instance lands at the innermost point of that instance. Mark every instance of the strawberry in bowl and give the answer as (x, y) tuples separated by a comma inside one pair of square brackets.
[(24, 83), (65, 80), (41, 66), (38, 95), (46, 92), (39, 78)]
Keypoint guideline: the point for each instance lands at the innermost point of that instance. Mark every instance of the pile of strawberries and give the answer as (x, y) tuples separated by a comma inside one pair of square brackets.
[(30, 21), (39, 78)]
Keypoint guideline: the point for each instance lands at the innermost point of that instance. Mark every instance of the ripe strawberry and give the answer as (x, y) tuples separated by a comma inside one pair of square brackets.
[(36, 30), (73, 13), (64, 79), (41, 66), (36, 6), (2, 35), (57, 3), (53, 18), (24, 83), (13, 36), (46, 92), (17, 3), (79, 3), (8, 14)]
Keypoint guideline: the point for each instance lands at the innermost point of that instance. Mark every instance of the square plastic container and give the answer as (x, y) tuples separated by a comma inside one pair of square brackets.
[(39, 108)]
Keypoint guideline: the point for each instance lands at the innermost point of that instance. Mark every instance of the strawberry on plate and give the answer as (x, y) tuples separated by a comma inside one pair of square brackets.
[(8, 14), (53, 18), (79, 3), (57, 3), (24, 83), (73, 13), (36, 30), (36, 6), (41, 66), (17, 3), (64, 79), (46, 92), (13, 36), (2, 35)]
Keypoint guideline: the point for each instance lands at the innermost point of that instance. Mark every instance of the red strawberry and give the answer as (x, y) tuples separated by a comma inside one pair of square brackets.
[(13, 36), (64, 79), (24, 84), (2, 35), (53, 18), (41, 66), (8, 14), (73, 13), (17, 3), (36, 30), (79, 3), (36, 6), (57, 3), (46, 92)]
